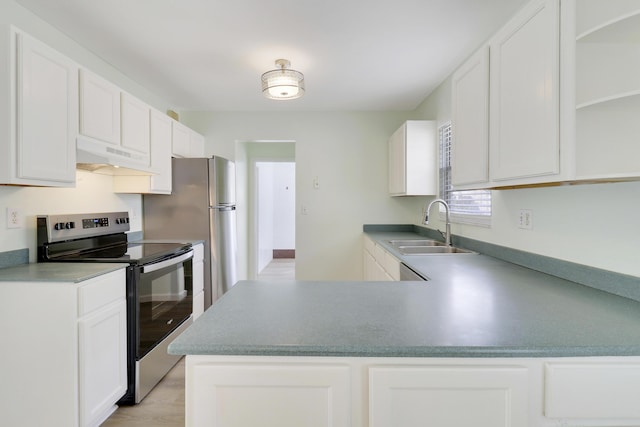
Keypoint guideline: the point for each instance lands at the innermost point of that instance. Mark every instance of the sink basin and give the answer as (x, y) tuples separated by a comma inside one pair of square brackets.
[(415, 242), (432, 250)]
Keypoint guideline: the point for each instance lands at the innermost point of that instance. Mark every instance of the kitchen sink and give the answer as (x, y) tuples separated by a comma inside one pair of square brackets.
[(432, 250), (415, 242)]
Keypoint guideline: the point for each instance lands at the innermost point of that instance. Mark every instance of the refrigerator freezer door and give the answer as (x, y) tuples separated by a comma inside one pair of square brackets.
[(222, 189), (224, 249)]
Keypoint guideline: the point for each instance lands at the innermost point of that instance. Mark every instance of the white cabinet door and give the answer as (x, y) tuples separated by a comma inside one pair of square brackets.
[(99, 108), (180, 145), (249, 395), (397, 164), (524, 105), (160, 152), (135, 124), (196, 144), (448, 396), (470, 121), (46, 116), (582, 390), (102, 342), (160, 182), (412, 159)]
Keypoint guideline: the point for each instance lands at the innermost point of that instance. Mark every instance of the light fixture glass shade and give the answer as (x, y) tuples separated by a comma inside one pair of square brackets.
[(283, 83)]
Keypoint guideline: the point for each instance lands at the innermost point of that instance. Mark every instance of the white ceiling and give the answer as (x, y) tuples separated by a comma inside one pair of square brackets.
[(209, 54)]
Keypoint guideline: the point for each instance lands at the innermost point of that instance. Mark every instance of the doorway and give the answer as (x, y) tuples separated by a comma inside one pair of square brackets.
[(275, 212), (256, 224)]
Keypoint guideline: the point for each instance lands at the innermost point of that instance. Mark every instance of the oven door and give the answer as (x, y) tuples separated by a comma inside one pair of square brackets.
[(164, 296)]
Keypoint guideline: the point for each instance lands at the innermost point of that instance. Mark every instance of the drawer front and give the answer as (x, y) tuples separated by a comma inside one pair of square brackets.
[(102, 290), (592, 390)]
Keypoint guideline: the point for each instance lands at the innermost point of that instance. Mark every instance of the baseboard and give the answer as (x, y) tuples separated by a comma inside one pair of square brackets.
[(284, 253)]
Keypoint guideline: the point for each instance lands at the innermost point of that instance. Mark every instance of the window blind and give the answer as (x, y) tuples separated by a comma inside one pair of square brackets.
[(468, 206)]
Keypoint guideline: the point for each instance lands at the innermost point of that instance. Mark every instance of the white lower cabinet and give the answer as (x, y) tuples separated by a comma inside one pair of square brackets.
[(247, 391), (479, 396), (378, 264), (64, 357), (102, 370), (267, 394), (596, 391), (198, 280)]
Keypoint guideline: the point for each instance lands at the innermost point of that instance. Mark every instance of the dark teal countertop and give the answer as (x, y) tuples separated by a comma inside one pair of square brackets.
[(472, 306), (57, 271)]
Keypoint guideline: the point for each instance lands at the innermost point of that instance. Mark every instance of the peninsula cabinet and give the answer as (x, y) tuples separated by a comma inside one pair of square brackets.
[(412, 159), (39, 144), (245, 391), (448, 395)]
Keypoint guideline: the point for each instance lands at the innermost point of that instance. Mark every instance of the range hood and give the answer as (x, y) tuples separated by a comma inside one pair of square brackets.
[(100, 157)]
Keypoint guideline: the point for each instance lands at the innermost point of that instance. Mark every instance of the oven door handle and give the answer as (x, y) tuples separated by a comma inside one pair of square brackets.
[(167, 263)]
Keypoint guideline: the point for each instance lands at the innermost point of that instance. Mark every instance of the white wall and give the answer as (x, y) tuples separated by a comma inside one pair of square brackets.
[(591, 224), (284, 205), (93, 192), (347, 152), (265, 213)]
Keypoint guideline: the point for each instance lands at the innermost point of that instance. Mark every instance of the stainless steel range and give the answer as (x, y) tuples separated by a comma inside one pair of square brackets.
[(159, 286)]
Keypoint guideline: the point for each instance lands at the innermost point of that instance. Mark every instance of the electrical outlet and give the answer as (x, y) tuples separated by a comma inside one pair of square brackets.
[(14, 218), (525, 219)]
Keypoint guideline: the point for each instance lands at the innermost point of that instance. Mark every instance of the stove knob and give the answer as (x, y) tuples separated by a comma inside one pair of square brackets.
[(58, 225), (70, 225)]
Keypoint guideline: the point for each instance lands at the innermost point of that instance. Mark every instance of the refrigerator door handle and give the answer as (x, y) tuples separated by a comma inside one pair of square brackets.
[(223, 208)]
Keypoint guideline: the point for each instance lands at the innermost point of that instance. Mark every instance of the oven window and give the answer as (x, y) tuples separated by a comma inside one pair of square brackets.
[(165, 300)]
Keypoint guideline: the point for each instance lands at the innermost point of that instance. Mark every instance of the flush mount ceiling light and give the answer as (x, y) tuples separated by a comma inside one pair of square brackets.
[(283, 83)]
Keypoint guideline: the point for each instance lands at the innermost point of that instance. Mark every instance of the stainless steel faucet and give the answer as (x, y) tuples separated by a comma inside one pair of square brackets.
[(447, 235)]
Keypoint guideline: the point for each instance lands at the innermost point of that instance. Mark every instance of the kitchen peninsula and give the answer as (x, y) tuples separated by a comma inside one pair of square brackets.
[(483, 342)]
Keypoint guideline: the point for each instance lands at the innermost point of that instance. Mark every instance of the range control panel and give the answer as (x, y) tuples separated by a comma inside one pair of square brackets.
[(56, 228)]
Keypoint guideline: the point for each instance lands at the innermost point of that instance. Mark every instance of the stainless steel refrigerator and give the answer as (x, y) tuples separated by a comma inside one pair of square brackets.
[(202, 206)]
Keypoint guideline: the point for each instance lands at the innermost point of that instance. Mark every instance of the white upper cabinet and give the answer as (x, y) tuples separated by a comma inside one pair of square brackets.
[(41, 147), (196, 144), (470, 122), (99, 108), (564, 97), (524, 104), (110, 117), (135, 124), (180, 145), (412, 159), (607, 87), (186, 142), (160, 182)]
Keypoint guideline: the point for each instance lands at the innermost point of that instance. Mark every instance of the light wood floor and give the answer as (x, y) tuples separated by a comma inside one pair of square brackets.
[(164, 405), (279, 269)]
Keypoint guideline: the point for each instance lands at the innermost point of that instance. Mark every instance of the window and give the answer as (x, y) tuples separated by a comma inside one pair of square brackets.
[(468, 206)]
